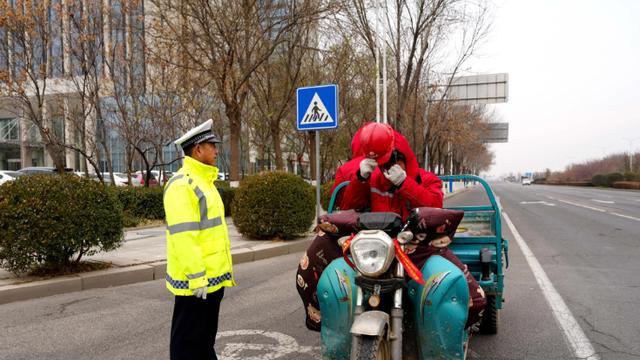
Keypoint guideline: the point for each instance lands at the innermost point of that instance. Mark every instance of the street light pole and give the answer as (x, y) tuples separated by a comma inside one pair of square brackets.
[(377, 45), (630, 152)]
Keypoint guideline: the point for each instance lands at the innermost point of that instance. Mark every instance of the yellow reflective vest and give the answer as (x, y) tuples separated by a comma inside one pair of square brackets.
[(198, 247)]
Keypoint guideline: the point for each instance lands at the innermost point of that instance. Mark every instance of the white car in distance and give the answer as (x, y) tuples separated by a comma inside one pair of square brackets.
[(8, 175)]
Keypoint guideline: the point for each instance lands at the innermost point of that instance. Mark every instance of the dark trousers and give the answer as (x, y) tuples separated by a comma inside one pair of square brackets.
[(194, 327)]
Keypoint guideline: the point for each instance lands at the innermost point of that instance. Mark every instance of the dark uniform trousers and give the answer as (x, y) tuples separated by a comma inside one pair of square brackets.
[(194, 327)]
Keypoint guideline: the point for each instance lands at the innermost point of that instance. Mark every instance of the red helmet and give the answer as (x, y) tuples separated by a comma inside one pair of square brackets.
[(376, 141)]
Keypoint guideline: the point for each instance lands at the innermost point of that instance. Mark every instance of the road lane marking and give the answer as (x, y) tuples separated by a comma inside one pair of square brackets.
[(582, 206), (604, 201), (573, 333), (594, 208), (536, 202), (285, 346), (625, 216)]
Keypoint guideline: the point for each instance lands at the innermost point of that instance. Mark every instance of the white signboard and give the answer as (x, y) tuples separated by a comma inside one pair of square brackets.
[(479, 89), (497, 133)]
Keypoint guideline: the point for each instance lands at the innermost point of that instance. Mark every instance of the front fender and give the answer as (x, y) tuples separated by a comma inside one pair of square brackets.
[(440, 310), (337, 297), (370, 323)]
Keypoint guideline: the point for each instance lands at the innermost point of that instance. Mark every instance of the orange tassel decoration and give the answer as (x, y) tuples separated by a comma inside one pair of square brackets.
[(411, 269)]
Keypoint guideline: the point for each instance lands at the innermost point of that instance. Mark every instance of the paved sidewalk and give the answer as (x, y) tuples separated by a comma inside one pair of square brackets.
[(142, 257), (149, 245)]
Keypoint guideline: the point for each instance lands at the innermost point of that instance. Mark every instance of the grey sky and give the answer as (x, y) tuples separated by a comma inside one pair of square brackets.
[(574, 71)]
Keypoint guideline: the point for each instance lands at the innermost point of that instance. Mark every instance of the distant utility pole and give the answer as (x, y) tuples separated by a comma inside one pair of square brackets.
[(630, 152), (381, 81)]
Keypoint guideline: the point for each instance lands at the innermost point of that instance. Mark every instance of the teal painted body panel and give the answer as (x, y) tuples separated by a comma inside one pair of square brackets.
[(334, 195), (440, 310), (337, 296), (481, 228)]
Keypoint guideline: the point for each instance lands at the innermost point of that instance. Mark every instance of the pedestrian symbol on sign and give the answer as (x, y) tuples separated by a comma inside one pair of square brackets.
[(317, 107), (316, 112)]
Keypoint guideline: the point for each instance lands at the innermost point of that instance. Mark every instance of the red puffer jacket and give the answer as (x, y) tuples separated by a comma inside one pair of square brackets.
[(346, 170), (420, 188)]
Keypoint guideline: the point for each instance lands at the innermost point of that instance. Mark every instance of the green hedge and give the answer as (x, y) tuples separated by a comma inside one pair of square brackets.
[(140, 203), (599, 180), (614, 177), (48, 219), (325, 195), (227, 193), (146, 202), (273, 205)]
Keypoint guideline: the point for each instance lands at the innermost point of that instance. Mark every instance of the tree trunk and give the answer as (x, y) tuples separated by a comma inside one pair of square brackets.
[(129, 161), (234, 143), (103, 141), (277, 147)]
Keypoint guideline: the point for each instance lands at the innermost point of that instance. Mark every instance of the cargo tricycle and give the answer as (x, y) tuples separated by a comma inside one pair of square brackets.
[(371, 310)]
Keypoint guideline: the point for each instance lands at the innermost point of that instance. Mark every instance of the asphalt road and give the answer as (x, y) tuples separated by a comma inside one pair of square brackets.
[(589, 255), (588, 242)]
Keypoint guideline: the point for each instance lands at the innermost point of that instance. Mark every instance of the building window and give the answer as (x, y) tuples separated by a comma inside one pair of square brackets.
[(9, 130), (34, 135), (56, 50), (58, 128)]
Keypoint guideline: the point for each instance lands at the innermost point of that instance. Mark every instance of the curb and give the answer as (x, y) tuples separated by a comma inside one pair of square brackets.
[(133, 274)]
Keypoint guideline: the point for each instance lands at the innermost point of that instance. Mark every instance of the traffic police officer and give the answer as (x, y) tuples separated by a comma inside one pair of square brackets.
[(198, 249)]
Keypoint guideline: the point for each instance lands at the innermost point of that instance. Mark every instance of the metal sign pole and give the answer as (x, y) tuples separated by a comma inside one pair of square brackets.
[(383, 48), (377, 32), (426, 126), (317, 176)]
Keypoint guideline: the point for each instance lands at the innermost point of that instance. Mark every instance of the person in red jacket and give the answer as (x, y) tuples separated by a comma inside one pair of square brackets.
[(389, 177), (384, 176), (346, 170)]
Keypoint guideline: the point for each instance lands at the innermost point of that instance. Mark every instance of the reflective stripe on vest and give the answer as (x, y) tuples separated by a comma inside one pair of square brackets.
[(205, 223), (184, 284), (194, 225), (171, 181)]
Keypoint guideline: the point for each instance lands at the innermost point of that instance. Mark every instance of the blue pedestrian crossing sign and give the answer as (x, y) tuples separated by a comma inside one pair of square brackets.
[(317, 107)]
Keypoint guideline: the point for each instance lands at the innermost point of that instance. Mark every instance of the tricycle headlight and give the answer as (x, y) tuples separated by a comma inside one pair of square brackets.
[(372, 252)]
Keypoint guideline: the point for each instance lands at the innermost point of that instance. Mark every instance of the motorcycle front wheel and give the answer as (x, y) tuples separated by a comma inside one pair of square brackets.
[(373, 348)]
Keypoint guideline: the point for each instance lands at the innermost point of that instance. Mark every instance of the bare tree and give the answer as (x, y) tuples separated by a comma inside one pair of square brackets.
[(228, 41), (26, 81), (274, 83), (423, 38), (83, 71), (144, 90)]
